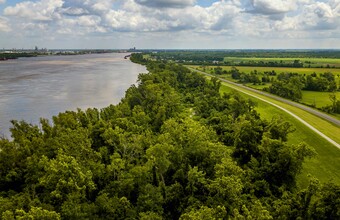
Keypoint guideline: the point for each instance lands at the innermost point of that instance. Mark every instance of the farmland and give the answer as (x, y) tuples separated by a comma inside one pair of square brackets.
[(249, 69), (281, 61)]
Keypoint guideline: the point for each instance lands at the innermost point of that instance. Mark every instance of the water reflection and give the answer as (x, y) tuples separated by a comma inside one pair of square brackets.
[(31, 88)]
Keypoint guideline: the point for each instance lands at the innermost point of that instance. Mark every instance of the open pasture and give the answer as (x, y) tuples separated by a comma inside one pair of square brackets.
[(248, 69), (307, 62), (318, 99)]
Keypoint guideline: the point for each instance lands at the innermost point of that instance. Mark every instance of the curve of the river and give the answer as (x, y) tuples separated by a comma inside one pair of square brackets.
[(31, 88)]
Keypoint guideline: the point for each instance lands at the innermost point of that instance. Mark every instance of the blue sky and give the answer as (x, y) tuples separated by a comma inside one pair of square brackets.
[(184, 24)]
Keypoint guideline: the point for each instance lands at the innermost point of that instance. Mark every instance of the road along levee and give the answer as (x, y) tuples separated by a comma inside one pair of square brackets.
[(237, 86)]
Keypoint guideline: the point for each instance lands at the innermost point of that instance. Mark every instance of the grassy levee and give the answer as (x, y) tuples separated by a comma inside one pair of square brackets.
[(327, 128), (326, 164)]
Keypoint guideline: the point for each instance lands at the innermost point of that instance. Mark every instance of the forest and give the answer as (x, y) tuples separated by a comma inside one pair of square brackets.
[(173, 148)]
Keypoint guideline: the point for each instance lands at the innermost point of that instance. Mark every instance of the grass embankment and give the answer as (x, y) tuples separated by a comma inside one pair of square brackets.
[(325, 166)]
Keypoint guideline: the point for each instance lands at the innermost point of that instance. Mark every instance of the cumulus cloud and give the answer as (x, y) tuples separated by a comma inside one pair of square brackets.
[(166, 3), (263, 18), (313, 16), (42, 10), (320, 16), (2, 1), (270, 7)]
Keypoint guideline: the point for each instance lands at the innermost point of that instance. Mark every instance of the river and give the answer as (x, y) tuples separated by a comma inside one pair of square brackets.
[(31, 88)]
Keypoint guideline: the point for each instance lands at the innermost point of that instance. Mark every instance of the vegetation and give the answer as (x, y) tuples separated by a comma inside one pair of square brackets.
[(173, 148), (317, 99), (274, 62), (258, 58), (325, 164), (287, 84), (7, 56), (295, 62), (249, 69)]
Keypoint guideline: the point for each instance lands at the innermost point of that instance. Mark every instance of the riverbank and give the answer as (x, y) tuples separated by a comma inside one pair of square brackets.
[(15, 54)]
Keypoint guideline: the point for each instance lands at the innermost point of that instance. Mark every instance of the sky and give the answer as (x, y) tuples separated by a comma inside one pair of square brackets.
[(170, 24)]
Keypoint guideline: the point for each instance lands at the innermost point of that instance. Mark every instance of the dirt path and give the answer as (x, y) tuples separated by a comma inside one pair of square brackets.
[(320, 114)]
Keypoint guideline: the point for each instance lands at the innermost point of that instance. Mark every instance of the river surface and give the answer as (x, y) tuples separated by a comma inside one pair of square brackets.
[(31, 88)]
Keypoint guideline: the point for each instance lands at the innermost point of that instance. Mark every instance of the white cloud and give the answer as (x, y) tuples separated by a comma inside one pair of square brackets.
[(221, 15), (134, 17), (4, 27), (270, 7), (166, 3), (41, 11), (266, 19)]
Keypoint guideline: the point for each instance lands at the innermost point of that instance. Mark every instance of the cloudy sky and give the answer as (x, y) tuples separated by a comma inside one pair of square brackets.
[(187, 24)]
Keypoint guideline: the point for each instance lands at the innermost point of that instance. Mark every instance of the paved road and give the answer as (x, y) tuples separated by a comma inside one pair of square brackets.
[(306, 108)]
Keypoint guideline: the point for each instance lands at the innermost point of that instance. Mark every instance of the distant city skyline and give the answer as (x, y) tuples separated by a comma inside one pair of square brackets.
[(170, 24)]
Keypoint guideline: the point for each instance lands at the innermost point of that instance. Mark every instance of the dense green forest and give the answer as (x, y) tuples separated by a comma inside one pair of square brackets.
[(173, 148)]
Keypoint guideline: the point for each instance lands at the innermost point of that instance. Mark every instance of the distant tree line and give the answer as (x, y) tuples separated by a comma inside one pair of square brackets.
[(293, 64), (216, 57), (173, 148), (7, 56)]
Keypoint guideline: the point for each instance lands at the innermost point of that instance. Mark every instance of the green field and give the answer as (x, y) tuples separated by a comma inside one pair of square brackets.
[(307, 71), (325, 166), (318, 99), (312, 62)]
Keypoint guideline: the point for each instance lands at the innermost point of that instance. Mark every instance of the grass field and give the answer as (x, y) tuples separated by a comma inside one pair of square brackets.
[(325, 166), (318, 99), (307, 71), (313, 62)]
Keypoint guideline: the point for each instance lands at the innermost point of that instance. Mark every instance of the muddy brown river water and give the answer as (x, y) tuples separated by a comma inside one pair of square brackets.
[(31, 88)]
